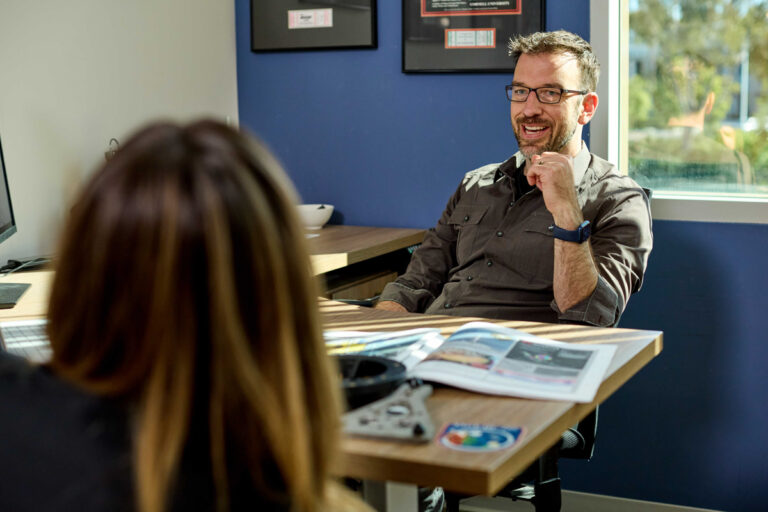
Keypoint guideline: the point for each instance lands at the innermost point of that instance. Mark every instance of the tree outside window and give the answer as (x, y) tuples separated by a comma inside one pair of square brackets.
[(698, 95)]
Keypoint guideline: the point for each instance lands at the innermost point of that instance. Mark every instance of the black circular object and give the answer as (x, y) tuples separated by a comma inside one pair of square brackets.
[(368, 378)]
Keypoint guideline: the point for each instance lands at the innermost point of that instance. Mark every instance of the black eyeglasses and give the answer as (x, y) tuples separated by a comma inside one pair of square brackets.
[(549, 95)]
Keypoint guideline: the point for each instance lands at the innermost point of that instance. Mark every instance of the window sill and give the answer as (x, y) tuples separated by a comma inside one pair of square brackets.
[(709, 208)]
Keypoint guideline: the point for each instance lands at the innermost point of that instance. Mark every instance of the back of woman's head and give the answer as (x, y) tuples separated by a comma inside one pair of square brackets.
[(183, 282)]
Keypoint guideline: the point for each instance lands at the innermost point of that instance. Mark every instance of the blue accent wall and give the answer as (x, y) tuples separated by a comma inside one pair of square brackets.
[(384, 147), (387, 149), (692, 427)]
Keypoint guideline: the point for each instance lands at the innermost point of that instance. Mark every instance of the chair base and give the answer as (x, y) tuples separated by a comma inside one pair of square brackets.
[(545, 496)]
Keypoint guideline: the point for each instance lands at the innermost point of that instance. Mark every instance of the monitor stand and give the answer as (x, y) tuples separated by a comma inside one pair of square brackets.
[(10, 293)]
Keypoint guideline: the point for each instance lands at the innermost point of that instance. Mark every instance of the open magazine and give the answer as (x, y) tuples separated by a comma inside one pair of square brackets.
[(488, 358)]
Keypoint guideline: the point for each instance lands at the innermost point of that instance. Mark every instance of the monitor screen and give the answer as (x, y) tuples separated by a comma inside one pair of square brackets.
[(7, 221)]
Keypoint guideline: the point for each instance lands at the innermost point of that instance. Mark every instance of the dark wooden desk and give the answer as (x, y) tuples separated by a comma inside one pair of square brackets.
[(543, 421), (335, 247), (331, 248)]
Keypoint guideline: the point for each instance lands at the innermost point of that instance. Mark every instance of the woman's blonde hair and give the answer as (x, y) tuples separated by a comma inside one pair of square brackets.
[(183, 286)]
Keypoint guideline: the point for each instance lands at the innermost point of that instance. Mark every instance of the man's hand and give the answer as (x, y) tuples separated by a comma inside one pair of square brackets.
[(552, 173), (390, 305)]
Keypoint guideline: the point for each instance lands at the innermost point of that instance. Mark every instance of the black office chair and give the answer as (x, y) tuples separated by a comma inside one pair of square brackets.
[(540, 483), (648, 192)]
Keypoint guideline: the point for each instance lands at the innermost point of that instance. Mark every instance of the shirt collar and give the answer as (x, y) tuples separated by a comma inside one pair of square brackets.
[(581, 163)]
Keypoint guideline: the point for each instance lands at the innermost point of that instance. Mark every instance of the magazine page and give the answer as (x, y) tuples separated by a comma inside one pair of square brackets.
[(406, 347), (491, 359)]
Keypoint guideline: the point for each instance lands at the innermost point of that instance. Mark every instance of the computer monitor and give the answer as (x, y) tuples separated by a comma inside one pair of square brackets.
[(9, 292)]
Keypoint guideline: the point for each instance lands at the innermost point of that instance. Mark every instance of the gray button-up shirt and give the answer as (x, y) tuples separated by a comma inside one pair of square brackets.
[(492, 254)]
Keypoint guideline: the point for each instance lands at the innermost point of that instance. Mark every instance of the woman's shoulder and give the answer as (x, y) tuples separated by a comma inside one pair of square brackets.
[(19, 379), (24, 384), (34, 400), (70, 446)]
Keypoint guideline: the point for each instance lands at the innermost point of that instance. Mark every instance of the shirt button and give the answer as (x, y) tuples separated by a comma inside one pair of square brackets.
[(447, 305), (511, 203), (489, 263), (499, 233), (466, 218), (469, 278)]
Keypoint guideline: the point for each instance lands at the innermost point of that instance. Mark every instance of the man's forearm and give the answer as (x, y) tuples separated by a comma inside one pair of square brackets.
[(575, 274)]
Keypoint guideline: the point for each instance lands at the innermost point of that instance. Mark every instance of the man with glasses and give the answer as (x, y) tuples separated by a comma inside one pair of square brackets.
[(555, 233)]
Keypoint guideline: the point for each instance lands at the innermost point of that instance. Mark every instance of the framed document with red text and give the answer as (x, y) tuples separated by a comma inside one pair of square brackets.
[(465, 35)]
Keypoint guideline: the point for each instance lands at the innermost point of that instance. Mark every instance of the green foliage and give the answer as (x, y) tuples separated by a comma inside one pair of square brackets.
[(697, 46), (640, 101), (755, 147), (689, 49)]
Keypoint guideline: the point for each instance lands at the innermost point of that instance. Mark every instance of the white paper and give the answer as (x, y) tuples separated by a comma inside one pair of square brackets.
[(310, 18)]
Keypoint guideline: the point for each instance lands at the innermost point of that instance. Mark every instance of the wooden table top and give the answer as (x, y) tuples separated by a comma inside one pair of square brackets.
[(34, 302), (542, 421), (432, 464), (331, 248), (335, 246)]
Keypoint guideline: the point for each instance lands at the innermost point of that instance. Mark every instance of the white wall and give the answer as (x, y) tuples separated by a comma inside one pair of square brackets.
[(75, 73)]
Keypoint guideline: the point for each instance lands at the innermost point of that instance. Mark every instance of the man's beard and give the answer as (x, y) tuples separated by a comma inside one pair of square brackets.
[(557, 141)]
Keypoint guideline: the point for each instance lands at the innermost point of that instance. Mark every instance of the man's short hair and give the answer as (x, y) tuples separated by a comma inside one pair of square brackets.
[(559, 42)]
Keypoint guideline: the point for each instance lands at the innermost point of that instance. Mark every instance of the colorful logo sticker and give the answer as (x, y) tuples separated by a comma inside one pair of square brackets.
[(478, 438)]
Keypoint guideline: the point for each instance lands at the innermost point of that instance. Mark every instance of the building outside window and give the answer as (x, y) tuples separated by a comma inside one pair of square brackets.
[(698, 96)]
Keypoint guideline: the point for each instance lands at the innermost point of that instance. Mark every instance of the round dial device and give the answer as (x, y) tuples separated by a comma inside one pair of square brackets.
[(368, 378)]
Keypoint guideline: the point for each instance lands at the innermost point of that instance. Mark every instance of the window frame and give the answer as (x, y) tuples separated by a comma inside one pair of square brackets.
[(609, 36)]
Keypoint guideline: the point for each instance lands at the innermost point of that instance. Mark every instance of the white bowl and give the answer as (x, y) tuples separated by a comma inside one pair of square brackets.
[(314, 216)]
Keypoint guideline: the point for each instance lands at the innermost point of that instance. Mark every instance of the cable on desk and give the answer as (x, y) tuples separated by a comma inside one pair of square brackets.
[(15, 265)]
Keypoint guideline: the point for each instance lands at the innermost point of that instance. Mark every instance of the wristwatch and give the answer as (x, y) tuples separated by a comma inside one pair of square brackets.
[(578, 235)]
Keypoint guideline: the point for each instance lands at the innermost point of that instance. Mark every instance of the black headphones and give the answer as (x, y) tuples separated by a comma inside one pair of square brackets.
[(366, 379)]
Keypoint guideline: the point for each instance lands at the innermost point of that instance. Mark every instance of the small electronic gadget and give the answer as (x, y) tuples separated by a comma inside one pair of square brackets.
[(403, 416), (382, 402)]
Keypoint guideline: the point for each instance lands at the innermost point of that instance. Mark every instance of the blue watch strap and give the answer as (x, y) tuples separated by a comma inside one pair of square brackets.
[(578, 235)]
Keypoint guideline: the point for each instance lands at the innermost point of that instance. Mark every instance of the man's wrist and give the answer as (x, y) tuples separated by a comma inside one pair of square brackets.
[(579, 235), (568, 219)]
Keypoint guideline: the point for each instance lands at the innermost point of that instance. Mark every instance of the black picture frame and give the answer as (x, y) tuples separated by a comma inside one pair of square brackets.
[(465, 36), (289, 25)]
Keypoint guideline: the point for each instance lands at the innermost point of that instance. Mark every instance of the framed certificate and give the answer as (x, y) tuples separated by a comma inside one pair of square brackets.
[(312, 24), (465, 35)]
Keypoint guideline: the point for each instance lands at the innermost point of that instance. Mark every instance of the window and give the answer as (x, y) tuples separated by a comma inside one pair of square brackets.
[(698, 96)]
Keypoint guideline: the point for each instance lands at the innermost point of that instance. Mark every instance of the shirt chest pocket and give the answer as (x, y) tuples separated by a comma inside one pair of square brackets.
[(465, 219), (533, 249)]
